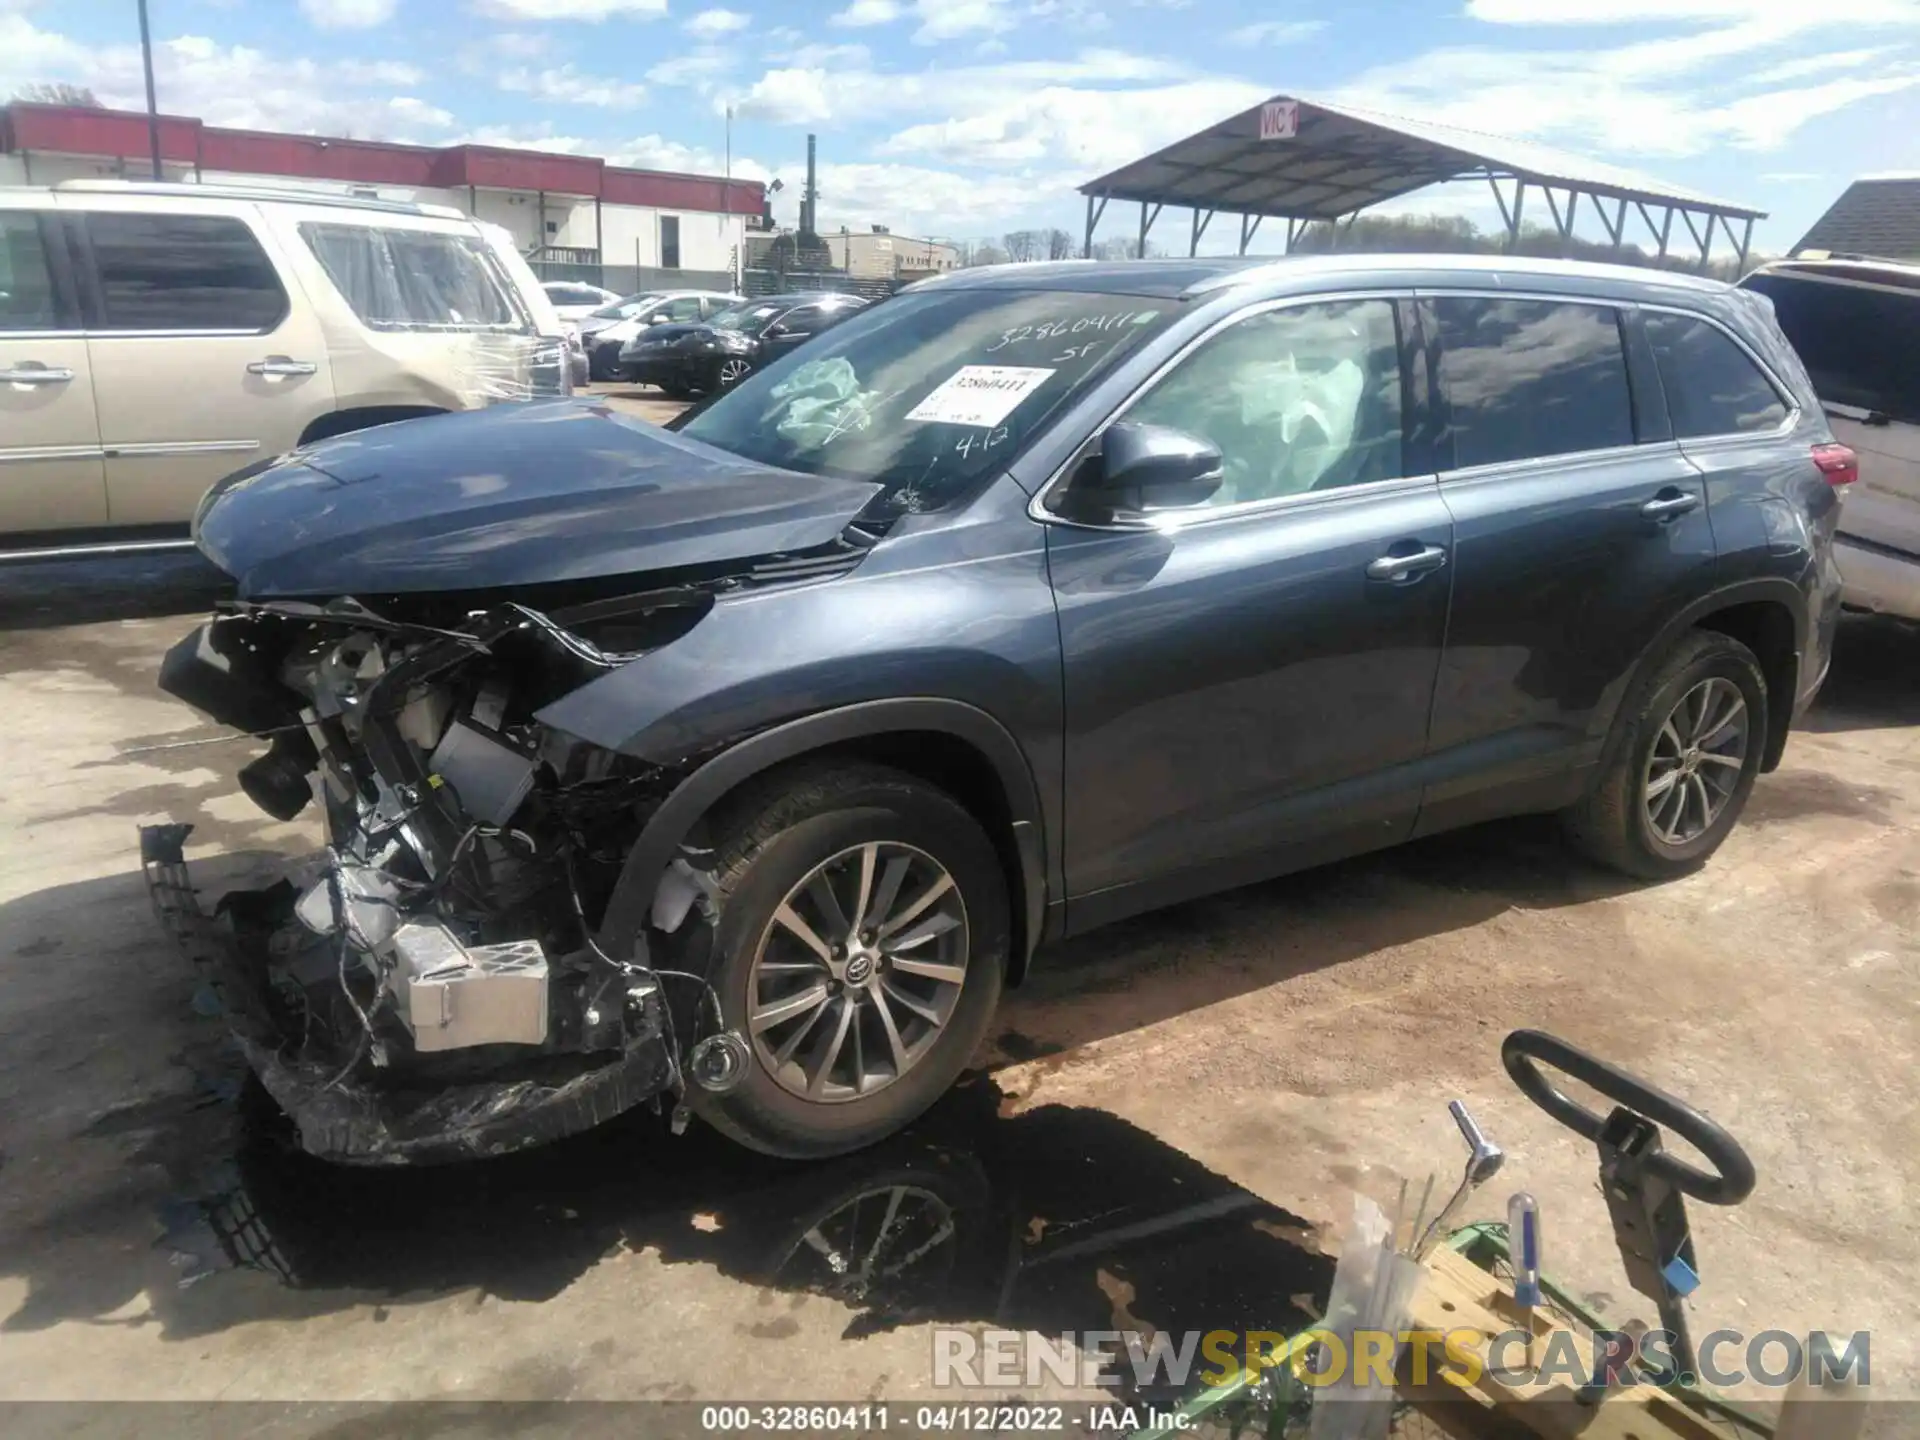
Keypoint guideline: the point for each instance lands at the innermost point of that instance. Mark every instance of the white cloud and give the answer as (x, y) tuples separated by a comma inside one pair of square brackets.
[(698, 70), (1628, 12), (1661, 95), (1275, 32), (232, 85), (518, 44), (945, 19), (914, 199), (592, 10), (348, 14), (657, 152), (1093, 130), (787, 97), (867, 12), (568, 86), (710, 24)]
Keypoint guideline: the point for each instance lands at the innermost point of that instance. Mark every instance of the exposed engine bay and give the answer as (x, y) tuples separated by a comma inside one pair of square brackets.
[(432, 986)]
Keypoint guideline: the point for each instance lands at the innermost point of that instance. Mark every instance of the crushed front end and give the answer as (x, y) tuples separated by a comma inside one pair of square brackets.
[(431, 987)]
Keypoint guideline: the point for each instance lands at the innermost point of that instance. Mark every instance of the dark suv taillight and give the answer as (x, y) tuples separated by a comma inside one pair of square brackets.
[(1837, 463)]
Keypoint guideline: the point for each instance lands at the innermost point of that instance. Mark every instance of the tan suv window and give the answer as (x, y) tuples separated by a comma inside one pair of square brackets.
[(26, 286), (183, 272), (414, 279)]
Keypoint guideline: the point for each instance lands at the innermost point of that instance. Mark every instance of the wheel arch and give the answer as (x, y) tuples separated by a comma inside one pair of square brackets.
[(955, 746), (1768, 616)]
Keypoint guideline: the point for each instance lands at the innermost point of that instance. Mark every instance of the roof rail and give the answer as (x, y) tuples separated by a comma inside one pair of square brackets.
[(284, 194)]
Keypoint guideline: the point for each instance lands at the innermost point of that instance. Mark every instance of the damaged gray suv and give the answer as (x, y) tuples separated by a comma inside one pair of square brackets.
[(742, 763)]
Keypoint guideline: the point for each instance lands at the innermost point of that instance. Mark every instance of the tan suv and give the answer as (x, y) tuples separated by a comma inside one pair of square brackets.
[(154, 338)]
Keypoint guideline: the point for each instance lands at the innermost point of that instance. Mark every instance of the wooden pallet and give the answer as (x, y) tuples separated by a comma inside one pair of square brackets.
[(1456, 1295)]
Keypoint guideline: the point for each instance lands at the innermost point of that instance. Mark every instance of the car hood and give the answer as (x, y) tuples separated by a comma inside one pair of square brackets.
[(517, 494)]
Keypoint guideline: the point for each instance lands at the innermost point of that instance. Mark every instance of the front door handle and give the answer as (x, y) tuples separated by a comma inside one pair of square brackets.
[(1407, 567), (1669, 507), (32, 373), (280, 367)]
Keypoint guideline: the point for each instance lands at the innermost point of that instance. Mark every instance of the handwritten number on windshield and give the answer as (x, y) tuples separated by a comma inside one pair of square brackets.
[(967, 444)]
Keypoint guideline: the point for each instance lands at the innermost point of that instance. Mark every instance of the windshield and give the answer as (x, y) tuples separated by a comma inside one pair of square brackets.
[(748, 319), (625, 309), (929, 391)]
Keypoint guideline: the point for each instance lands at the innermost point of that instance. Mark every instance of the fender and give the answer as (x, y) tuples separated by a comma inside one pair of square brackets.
[(1775, 589), (660, 839)]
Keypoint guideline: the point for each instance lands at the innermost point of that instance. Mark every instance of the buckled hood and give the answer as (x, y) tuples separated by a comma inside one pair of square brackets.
[(519, 494)]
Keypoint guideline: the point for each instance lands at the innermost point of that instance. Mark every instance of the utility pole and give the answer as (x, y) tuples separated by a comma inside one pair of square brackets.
[(153, 109)]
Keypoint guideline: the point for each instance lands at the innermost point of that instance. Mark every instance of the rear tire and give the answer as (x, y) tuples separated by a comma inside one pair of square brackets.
[(814, 825), (1682, 765)]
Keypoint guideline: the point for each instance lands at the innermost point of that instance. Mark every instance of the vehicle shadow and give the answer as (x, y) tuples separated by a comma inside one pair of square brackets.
[(1875, 680), (148, 1126), (40, 594), (1169, 962)]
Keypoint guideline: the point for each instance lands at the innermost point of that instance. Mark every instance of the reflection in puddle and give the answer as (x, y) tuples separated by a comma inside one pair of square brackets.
[(1056, 1219)]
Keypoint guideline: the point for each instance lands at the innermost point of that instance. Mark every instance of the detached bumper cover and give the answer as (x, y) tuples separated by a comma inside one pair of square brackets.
[(392, 1122)]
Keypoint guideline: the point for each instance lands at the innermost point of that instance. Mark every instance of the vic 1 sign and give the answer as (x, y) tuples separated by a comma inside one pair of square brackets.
[(1280, 120)]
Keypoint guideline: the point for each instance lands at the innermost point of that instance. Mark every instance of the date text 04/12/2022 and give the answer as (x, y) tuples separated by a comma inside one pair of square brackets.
[(978, 1418)]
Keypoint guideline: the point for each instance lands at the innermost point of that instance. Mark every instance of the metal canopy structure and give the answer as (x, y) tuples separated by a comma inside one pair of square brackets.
[(1306, 160)]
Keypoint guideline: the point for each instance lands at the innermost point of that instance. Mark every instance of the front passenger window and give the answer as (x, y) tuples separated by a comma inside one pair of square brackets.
[(1297, 399)]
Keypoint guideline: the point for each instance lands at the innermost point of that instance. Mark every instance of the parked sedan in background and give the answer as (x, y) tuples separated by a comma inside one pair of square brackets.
[(575, 300), (685, 359), (611, 326)]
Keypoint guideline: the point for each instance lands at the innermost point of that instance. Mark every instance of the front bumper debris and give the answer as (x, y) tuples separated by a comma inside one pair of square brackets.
[(382, 1115)]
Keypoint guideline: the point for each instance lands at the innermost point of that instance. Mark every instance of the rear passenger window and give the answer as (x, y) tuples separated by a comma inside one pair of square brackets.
[(1531, 378), (183, 272), (26, 287), (1713, 387)]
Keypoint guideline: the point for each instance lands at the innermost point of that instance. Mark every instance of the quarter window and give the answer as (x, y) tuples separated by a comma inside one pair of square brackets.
[(1532, 378), (183, 272), (1298, 399), (414, 279), (26, 286), (1712, 387)]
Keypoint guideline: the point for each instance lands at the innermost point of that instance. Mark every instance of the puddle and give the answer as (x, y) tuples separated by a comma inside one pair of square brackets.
[(1055, 1219)]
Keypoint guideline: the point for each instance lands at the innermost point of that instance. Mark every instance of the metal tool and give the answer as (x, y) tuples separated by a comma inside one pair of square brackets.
[(1523, 1249), (1484, 1160), (1643, 1184)]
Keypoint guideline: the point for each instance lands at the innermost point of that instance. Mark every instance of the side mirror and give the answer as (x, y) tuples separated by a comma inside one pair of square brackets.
[(1143, 470)]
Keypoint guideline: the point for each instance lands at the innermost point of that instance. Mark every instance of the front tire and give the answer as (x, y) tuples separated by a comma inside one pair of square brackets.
[(861, 940), (1680, 772)]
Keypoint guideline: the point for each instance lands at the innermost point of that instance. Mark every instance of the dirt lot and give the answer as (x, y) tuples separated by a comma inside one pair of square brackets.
[(1242, 1062)]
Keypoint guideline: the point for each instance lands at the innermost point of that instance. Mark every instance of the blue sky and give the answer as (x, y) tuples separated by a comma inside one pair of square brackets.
[(968, 118)]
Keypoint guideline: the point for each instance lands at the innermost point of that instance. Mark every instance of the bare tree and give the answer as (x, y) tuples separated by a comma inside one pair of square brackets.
[(1121, 247), (1060, 245), (985, 252), (58, 92), (1023, 245)]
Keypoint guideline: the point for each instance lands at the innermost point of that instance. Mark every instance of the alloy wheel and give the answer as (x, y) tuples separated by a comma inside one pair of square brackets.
[(885, 1248), (858, 972), (1698, 756), (732, 371)]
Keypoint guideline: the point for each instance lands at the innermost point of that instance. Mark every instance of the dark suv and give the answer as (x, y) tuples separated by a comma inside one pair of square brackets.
[(748, 759)]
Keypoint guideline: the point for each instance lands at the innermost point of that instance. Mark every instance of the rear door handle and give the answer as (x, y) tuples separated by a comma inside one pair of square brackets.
[(1407, 567), (1668, 507), (32, 374), (280, 367)]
